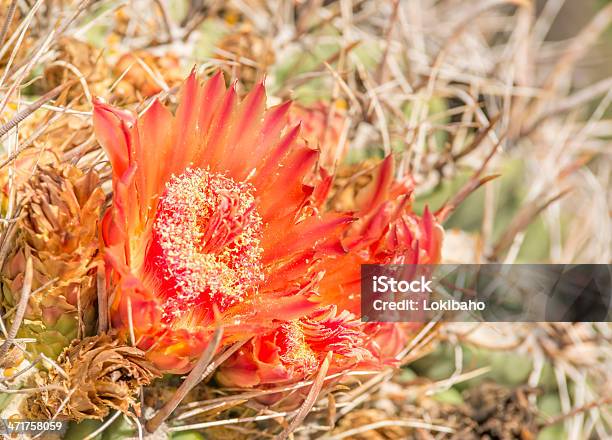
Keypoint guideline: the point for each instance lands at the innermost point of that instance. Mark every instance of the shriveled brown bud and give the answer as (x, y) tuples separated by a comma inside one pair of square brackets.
[(245, 44), (78, 59), (101, 374)]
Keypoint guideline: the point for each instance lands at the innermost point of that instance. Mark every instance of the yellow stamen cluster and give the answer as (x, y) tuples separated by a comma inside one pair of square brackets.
[(295, 351), (208, 231)]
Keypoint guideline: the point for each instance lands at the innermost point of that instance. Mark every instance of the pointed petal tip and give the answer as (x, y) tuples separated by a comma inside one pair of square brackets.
[(388, 162), (215, 81), (429, 220), (259, 89), (101, 108), (280, 110), (190, 84), (294, 131)]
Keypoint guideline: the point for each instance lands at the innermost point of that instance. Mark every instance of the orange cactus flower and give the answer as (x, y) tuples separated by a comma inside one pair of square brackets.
[(216, 219), (386, 232), (297, 348)]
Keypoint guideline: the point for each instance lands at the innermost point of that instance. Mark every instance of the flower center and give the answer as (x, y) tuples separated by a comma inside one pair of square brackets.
[(206, 239)]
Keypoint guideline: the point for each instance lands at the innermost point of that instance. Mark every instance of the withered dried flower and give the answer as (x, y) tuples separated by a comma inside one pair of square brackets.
[(250, 52), (102, 373), (75, 59), (143, 73)]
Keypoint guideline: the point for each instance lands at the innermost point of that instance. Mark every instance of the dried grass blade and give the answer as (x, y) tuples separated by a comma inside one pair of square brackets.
[(472, 185), (7, 22), (192, 380), (311, 399), (102, 300), (21, 307), (20, 116), (522, 220)]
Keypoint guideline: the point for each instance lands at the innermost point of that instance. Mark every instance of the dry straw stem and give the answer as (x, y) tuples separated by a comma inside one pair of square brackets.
[(414, 424), (19, 35), (21, 308), (472, 146), (232, 421), (104, 426), (22, 72), (577, 99), (8, 20), (576, 50), (23, 114), (581, 409), (523, 219), (311, 399), (8, 236), (470, 186), (253, 394), (319, 70), (217, 407), (195, 376), (102, 299), (209, 371)]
